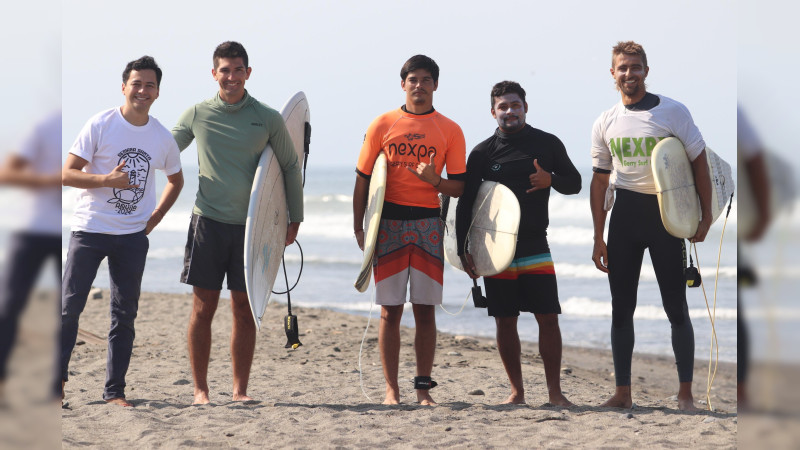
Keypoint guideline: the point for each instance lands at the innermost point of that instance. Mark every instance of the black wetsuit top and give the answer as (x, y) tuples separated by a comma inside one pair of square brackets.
[(508, 159)]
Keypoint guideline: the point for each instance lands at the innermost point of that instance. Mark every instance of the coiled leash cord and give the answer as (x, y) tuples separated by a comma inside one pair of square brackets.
[(713, 354)]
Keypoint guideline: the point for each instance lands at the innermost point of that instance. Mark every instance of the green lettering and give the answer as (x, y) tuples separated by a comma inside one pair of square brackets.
[(639, 151), (650, 144), (626, 147), (613, 144)]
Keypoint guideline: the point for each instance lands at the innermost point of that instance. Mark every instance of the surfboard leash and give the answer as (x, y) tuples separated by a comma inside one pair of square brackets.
[(460, 309), (712, 311), (290, 321), (306, 147), (477, 295), (298, 274), (361, 348)]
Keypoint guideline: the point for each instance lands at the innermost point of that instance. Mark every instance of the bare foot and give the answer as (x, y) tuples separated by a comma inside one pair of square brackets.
[(685, 398), (515, 399), (560, 400), (424, 398), (687, 404), (242, 398), (742, 400), (120, 401), (390, 401), (618, 401), (201, 398), (392, 396)]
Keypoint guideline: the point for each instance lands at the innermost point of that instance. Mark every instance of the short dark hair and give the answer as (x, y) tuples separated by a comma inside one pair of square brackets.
[(629, 48), (507, 87), (143, 63), (230, 49), (420, 62)]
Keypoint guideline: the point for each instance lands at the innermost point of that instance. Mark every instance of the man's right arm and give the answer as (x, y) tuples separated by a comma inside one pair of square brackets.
[(18, 171), (360, 194), (597, 195), (72, 175)]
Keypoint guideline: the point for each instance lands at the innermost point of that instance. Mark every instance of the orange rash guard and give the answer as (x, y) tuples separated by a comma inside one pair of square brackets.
[(408, 139)]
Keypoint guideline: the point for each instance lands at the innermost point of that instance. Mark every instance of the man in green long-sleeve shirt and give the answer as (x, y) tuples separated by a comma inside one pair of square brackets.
[(232, 129)]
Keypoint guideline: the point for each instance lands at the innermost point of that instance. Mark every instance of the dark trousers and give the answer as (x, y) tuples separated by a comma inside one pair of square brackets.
[(636, 226), (126, 258), (28, 252)]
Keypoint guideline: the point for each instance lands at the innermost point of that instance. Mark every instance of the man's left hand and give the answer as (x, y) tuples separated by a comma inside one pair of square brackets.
[(291, 232), (155, 219), (702, 230), (541, 179)]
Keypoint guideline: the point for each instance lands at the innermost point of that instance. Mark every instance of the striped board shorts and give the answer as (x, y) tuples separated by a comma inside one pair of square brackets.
[(528, 284), (409, 252)]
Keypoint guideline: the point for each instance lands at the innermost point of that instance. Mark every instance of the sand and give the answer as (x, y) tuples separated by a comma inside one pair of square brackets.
[(312, 397)]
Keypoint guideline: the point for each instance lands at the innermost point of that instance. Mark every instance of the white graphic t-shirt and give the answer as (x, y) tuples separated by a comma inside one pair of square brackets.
[(41, 211), (105, 141), (623, 140)]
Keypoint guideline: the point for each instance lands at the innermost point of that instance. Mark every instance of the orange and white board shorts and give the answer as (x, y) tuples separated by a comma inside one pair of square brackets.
[(409, 252)]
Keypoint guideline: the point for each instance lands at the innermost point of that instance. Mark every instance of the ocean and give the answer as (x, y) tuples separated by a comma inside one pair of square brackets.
[(331, 260)]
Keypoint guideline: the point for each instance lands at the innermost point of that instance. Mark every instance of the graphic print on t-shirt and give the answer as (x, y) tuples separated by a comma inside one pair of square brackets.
[(137, 166), (632, 151)]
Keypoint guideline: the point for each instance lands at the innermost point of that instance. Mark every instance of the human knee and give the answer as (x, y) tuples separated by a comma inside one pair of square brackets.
[(392, 314), (506, 323), (121, 317), (241, 310), (622, 319), (678, 315), (547, 321), (203, 311), (424, 315)]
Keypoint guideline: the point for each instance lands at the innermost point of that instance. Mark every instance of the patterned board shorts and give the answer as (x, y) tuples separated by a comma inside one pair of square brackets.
[(528, 284), (409, 252)]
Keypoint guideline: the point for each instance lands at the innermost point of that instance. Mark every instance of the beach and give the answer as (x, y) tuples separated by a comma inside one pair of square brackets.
[(319, 396), (311, 397), (330, 261)]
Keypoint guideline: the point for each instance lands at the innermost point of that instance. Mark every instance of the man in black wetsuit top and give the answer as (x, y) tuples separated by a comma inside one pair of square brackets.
[(529, 162)]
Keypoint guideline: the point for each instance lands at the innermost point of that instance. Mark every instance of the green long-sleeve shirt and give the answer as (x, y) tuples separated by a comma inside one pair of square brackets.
[(230, 139)]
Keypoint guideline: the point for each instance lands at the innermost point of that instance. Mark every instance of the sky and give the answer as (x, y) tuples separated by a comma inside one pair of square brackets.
[(346, 56)]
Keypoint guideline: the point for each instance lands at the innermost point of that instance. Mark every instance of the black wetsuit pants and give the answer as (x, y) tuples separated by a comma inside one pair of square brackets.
[(635, 225)]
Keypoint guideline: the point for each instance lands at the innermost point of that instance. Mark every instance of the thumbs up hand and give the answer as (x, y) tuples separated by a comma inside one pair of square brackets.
[(119, 179), (540, 179)]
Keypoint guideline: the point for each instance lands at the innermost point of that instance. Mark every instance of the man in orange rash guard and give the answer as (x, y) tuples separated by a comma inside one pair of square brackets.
[(418, 143)]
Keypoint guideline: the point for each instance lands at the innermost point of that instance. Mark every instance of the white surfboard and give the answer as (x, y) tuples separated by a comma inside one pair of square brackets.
[(267, 214), (675, 188), (492, 237), (372, 218)]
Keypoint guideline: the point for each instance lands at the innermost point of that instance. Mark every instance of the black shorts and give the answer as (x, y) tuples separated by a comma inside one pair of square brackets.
[(214, 250), (529, 284)]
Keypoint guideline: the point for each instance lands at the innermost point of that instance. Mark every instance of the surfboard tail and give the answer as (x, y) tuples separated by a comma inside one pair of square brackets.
[(362, 283)]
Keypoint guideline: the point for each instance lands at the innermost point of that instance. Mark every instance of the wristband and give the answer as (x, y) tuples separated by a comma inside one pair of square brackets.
[(440, 182)]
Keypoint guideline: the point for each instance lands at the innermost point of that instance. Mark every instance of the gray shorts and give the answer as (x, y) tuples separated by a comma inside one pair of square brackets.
[(214, 250)]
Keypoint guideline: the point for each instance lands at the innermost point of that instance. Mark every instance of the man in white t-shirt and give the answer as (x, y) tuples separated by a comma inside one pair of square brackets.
[(622, 142), (36, 168), (112, 162)]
